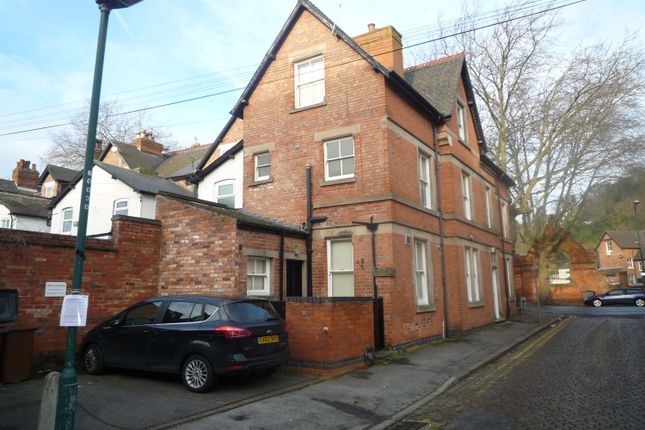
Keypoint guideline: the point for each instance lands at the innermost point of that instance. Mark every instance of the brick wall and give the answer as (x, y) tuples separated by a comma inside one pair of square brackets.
[(117, 273), (584, 276), (350, 330)]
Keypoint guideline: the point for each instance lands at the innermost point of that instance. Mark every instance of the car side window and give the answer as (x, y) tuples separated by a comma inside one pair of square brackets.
[(182, 312), (143, 314), (210, 312), (616, 293)]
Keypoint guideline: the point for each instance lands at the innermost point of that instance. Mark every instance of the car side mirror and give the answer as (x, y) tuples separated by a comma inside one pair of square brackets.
[(115, 323)]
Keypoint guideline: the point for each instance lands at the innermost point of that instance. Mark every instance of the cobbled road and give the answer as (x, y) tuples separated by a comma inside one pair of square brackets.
[(586, 373)]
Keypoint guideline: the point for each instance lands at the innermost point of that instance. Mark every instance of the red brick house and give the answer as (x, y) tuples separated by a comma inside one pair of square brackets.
[(386, 168), (618, 252)]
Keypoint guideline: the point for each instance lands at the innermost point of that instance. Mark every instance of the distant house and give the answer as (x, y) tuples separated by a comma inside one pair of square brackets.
[(145, 155), (618, 252), (221, 172), (54, 179), (115, 191), (20, 211)]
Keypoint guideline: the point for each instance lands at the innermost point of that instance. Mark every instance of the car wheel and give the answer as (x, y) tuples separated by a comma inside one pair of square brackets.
[(93, 360), (197, 374), (267, 371), (597, 303), (640, 302)]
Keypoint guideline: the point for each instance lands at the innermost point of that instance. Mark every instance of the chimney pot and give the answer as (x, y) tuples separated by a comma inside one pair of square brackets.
[(33, 166), (27, 163), (371, 27)]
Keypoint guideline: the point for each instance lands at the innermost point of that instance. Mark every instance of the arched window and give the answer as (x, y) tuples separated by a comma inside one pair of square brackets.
[(225, 192), (560, 269)]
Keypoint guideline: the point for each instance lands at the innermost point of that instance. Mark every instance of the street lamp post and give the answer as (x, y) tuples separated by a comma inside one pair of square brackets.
[(68, 386), (641, 266)]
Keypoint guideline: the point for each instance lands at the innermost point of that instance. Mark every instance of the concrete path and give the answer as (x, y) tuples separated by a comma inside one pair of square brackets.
[(371, 398)]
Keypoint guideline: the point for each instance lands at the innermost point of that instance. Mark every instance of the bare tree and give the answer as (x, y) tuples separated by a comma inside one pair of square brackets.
[(559, 123), (68, 147)]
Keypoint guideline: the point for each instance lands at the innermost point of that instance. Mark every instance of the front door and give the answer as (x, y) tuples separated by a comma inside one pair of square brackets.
[(495, 285), (294, 278)]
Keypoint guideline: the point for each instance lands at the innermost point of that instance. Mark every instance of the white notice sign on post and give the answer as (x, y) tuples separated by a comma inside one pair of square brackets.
[(55, 289), (74, 311)]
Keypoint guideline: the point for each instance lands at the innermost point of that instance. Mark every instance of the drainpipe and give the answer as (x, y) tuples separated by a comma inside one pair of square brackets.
[(501, 240), (308, 242), (281, 272), (372, 227), (311, 220), (442, 235)]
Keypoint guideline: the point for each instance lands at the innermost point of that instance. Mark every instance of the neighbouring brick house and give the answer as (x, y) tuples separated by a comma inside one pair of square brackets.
[(339, 138), (617, 253), (357, 179)]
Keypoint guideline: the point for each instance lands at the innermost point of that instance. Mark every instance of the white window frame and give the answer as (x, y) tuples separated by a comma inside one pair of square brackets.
[(120, 210), (48, 188), (252, 275), (67, 224), (472, 274), (631, 279), (256, 158), (466, 194), (303, 81), (5, 223), (340, 157), (421, 278), (425, 184), (508, 259), (630, 262), (608, 247), (219, 197), (461, 122), (505, 220), (331, 271), (489, 207)]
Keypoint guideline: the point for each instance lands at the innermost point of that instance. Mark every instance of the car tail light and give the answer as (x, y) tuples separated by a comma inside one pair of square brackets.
[(231, 332)]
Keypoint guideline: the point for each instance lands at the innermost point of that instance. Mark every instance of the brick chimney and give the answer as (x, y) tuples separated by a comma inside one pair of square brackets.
[(384, 44), (98, 149), (145, 141), (25, 176)]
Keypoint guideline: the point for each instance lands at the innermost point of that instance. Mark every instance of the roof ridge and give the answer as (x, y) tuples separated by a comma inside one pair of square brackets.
[(435, 62)]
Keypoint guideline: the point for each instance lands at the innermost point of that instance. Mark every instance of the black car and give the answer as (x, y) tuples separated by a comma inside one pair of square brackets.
[(199, 337), (618, 296)]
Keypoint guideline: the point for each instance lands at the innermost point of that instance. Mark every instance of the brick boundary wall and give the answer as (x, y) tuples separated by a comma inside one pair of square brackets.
[(337, 351), (117, 273)]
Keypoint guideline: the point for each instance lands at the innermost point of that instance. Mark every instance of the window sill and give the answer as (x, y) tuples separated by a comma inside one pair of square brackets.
[(465, 143), (324, 183), (422, 309), (472, 305), (300, 109), (262, 182)]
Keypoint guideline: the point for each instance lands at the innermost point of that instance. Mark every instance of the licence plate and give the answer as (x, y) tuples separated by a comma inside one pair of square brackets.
[(269, 339)]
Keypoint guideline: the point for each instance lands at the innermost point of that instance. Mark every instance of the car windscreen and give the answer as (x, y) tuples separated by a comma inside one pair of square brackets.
[(250, 312)]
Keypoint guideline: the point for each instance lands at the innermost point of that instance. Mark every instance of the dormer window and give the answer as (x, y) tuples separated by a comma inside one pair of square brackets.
[(309, 78), (608, 249)]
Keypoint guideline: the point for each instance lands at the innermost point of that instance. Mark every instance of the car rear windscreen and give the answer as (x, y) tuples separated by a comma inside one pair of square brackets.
[(251, 312)]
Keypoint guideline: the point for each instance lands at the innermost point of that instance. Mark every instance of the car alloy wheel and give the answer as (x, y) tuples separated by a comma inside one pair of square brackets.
[(597, 302), (197, 374), (93, 360), (640, 302)]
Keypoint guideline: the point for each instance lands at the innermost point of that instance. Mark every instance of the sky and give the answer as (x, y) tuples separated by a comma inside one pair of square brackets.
[(166, 51)]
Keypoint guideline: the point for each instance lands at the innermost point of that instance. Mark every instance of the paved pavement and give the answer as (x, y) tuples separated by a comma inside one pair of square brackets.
[(375, 397)]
